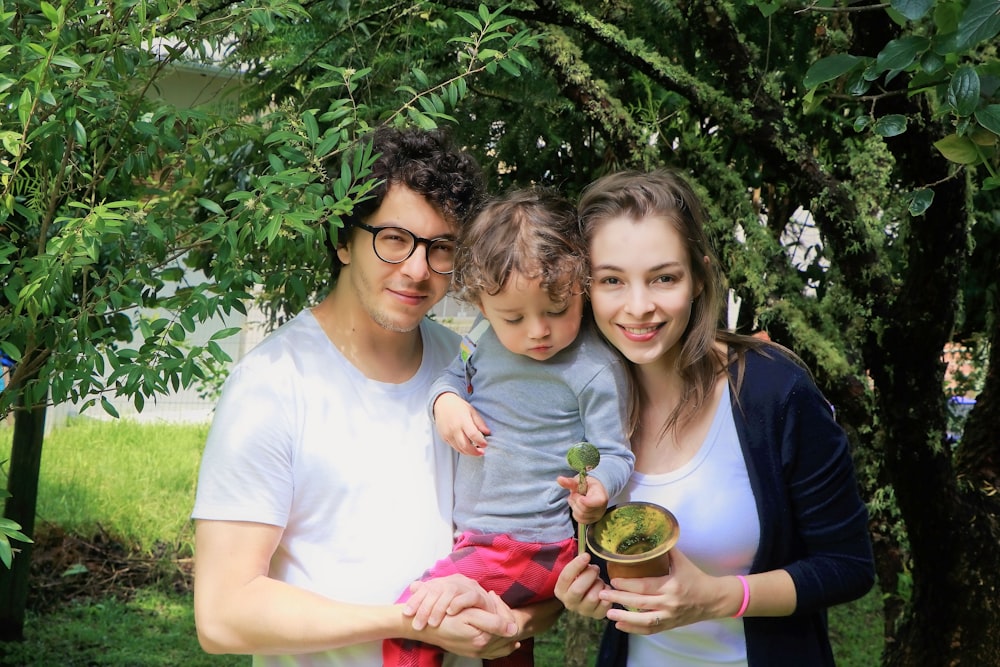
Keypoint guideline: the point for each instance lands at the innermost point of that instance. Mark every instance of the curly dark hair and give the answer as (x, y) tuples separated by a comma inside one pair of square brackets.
[(427, 162)]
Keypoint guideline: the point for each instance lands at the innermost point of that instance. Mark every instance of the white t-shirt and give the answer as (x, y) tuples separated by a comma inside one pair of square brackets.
[(719, 532), (346, 465)]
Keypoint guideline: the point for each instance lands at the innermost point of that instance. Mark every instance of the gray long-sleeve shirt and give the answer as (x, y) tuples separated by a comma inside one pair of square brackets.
[(536, 411)]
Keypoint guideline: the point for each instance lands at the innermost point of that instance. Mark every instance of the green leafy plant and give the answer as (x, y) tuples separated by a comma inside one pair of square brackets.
[(946, 53), (9, 530)]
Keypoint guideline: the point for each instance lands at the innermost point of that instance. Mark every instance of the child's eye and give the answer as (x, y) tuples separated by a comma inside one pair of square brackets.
[(513, 320), (558, 313)]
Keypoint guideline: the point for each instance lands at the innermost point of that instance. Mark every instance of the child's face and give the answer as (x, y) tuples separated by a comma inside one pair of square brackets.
[(527, 321)]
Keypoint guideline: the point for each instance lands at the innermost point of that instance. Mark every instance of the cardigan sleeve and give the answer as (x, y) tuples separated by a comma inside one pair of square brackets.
[(814, 514)]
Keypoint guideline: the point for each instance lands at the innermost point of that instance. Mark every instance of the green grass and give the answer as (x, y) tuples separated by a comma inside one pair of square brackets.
[(136, 482), (155, 629)]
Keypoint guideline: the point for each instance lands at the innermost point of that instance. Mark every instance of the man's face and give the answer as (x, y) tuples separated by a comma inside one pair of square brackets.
[(397, 296)]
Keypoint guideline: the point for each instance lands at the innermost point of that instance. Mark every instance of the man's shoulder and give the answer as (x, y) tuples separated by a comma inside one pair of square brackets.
[(294, 336), (440, 342)]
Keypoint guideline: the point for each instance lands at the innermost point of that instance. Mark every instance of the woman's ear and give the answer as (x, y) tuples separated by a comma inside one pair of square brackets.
[(700, 287)]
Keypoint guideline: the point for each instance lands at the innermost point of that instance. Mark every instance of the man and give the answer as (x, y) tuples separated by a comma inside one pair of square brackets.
[(322, 492)]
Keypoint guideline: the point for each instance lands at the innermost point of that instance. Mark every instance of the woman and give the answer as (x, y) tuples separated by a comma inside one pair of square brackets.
[(732, 435)]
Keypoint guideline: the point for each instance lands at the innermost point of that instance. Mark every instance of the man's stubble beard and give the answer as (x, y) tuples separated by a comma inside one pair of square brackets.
[(367, 297)]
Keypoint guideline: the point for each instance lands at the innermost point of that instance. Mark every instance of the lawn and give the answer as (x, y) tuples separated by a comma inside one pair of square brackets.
[(115, 543)]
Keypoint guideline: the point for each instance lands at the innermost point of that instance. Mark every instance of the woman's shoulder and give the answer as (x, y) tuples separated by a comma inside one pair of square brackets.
[(760, 365)]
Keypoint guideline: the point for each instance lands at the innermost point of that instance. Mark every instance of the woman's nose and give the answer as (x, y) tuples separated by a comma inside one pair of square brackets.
[(638, 302)]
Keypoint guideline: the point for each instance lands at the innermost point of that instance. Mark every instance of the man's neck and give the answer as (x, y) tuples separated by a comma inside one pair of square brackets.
[(380, 354)]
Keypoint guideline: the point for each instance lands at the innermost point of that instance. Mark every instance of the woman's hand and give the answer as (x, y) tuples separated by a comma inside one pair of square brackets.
[(579, 587), (685, 596)]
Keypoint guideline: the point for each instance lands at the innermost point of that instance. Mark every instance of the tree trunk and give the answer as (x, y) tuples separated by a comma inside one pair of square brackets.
[(955, 590), (25, 462)]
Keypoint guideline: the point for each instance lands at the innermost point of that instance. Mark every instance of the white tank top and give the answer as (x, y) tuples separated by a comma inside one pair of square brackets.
[(719, 532)]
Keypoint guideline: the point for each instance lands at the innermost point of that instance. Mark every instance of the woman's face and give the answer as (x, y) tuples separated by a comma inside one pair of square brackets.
[(642, 287)]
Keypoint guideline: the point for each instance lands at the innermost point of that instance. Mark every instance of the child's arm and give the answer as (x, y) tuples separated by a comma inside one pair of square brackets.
[(459, 424)]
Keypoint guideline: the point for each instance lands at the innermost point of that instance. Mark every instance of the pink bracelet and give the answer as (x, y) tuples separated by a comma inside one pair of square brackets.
[(746, 596)]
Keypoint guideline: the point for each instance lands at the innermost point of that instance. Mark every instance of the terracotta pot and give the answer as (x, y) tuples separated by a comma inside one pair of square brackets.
[(635, 539)]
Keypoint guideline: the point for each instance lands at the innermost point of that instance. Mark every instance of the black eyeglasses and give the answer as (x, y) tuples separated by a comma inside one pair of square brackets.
[(394, 245)]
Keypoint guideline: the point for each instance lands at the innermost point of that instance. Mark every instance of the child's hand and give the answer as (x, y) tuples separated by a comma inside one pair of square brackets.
[(460, 425), (434, 599), (586, 508)]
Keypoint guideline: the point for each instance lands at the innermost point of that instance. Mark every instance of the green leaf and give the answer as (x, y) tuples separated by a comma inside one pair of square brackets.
[(110, 409), (471, 20), (912, 9), (63, 61), (6, 554), (210, 205), (900, 53), (50, 13), (920, 201), (830, 68), (75, 569), (768, 7), (989, 117), (963, 91), (24, 107), (960, 150), (226, 333), (312, 128), (980, 22), (931, 62), (890, 126)]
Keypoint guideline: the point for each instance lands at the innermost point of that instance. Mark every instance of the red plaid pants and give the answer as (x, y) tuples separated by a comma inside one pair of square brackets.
[(521, 573)]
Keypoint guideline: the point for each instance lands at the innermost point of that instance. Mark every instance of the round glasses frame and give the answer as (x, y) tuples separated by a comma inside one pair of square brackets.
[(415, 241)]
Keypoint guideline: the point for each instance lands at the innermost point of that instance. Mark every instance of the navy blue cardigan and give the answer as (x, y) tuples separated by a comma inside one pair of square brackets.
[(813, 523)]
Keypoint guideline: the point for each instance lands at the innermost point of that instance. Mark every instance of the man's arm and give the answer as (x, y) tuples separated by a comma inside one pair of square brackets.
[(239, 609)]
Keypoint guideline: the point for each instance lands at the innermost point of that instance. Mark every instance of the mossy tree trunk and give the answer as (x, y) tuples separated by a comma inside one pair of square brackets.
[(25, 463)]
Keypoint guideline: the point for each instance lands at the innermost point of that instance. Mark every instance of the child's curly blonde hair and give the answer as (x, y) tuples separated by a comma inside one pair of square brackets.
[(533, 231)]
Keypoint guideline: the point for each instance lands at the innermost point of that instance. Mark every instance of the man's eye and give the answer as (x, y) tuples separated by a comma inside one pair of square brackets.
[(443, 248)]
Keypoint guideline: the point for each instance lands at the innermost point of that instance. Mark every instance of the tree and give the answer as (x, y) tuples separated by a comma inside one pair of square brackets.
[(103, 203)]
